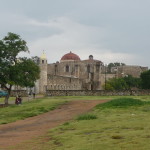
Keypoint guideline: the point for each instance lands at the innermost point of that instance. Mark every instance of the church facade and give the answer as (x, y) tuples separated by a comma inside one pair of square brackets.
[(72, 73)]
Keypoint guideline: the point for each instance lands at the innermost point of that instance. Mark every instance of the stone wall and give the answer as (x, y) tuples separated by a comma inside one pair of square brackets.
[(96, 93), (55, 82), (22, 93), (135, 71), (85, 93)]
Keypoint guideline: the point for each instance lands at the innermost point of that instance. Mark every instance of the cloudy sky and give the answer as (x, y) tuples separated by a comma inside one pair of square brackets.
[(110, 30)]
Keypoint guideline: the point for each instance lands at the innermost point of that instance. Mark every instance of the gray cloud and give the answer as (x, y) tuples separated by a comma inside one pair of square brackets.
[(110, 30)]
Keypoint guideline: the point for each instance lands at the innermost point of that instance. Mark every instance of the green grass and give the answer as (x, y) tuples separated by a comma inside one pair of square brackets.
[(87, 117), (143, 98), (28, 109), (10, 99), (124, 128), (122, 103), (36, 107)]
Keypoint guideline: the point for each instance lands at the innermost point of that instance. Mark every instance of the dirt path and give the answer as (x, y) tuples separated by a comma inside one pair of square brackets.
[(17, 132)]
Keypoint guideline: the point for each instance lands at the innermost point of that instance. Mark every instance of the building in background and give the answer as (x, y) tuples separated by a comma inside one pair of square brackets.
[(72, 73)]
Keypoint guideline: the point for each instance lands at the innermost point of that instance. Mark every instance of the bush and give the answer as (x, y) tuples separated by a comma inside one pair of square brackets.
[(87, 117), (121, 102)]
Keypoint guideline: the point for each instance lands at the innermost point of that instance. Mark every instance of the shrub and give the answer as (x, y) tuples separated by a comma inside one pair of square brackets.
[(121, 103), (66, 123), (87, 117)]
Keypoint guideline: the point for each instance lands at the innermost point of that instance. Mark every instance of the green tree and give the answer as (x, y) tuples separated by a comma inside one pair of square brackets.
[(116, 84), (125, 83), (15, 70), (36, 59), (132, 82), (145, 79)]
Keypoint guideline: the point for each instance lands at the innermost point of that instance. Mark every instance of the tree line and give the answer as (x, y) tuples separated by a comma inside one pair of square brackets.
[(129, 82)]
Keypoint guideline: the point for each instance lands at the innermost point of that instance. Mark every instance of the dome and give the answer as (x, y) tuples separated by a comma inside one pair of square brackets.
[(70, 56)]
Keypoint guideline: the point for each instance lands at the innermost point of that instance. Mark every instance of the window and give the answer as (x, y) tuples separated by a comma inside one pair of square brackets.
[(76, 67), (97, 68), (42, 61), (56, 69), (67, 68), (88, 68)]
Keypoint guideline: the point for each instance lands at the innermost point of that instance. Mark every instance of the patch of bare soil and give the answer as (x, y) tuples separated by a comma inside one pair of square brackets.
[(22, 130)]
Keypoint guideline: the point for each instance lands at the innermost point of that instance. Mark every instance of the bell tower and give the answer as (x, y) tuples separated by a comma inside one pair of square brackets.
[(43, 73)]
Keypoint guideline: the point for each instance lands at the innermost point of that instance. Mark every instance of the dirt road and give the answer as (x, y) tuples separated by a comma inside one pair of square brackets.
[(20, 131)]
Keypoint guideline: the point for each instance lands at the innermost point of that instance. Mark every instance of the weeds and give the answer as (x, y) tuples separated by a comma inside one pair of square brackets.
[(87, 117), (66, 123)]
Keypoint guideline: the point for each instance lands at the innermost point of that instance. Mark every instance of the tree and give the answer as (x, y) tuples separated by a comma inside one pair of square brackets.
[(116, 84), (125, 83), (36, 59), (15, 70), (132, 82), (145, 79)]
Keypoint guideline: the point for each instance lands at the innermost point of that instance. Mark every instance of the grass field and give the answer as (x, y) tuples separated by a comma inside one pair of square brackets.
[(36, 107), (109, 127), (28, 109), (10, 99)]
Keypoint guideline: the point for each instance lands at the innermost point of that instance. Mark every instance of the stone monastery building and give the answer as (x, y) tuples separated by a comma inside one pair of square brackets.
[(72, 73)]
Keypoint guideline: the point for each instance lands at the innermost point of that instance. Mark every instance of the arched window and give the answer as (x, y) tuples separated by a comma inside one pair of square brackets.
[(67, 68)]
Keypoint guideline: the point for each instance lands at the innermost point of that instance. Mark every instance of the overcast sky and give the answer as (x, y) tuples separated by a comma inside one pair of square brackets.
[(110, 30)]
